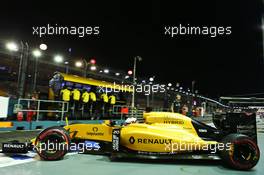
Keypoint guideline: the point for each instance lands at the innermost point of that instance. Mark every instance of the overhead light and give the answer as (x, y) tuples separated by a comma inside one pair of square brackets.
[(78, 64), (92, 61), (106, 71), (43, 46), (93, 68), (58, 58), (151, 79), (12, 46), (169, 84), (130, 72), (117, 73), (36, 53), (126, 77)]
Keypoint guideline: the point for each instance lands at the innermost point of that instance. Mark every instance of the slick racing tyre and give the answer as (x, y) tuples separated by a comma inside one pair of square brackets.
[(242, 154), (52, 143)]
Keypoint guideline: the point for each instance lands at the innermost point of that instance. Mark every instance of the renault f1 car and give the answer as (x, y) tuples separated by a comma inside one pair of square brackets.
[(162, 135)]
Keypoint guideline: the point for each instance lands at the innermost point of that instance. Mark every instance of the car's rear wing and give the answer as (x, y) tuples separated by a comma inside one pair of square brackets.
[(237, 122)]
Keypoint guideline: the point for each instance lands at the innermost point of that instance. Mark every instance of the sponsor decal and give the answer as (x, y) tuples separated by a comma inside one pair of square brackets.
[(187, 128), (174, 122), (72, 133), (132, 140), (14, 145), (14, 148), (95, 129), (115, 140), (95, 132), (202, 130), (155, 153)]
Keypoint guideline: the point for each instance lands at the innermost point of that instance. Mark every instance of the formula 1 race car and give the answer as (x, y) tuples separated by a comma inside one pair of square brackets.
[(162, 135)]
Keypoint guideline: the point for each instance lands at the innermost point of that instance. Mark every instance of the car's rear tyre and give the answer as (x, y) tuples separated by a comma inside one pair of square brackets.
[(242, 153), (52, 143)]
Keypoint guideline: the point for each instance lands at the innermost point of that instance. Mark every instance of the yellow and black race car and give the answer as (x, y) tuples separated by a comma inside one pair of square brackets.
[(162, 135)]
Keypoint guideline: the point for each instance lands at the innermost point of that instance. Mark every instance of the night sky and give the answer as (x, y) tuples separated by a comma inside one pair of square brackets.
[(224, 65)]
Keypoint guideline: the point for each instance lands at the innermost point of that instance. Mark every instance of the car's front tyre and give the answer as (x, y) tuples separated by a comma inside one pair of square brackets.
[(52, 143)]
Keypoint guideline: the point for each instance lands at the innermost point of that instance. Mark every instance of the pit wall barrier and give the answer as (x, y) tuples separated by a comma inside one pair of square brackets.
[(34, 125)]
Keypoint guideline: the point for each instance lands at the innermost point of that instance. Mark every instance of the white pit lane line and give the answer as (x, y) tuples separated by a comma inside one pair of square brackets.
[(6, 161), (16, 159)]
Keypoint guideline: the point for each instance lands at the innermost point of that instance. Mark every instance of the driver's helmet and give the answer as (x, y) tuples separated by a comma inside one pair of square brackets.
[(131, 120)]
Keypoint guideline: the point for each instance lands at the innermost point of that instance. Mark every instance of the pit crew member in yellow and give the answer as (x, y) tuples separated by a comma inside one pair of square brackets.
[(85, 97), (112, 99), (92, 96), (76, 94), (104, 97), (65, 94)]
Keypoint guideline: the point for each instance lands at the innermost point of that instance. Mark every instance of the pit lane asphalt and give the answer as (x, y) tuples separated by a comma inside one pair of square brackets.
[(100, 165)]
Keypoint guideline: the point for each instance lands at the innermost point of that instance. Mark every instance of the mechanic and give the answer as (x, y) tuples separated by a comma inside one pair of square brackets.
[(92, 101), (76, 94), (65, 94), (85, 100), (112, 99), (175, 107), (85, 96), (112, 102), (104, 106)]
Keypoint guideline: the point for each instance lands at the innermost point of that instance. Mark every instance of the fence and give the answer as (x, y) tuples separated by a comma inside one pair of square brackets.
[(127, 111), (38, 106), (41, 106)]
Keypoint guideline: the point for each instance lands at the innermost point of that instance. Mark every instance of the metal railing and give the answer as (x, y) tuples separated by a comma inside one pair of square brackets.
[(33, 105), (127, 111)]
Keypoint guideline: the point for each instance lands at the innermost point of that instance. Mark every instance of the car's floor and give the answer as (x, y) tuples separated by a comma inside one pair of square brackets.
[(91, 164)]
